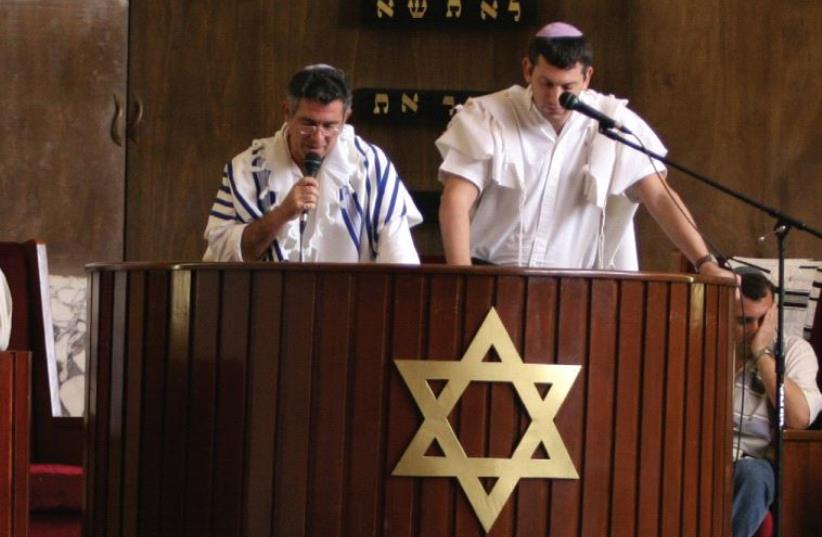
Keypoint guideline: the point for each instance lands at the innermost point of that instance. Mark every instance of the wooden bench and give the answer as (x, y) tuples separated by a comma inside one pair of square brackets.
[(15, 401)]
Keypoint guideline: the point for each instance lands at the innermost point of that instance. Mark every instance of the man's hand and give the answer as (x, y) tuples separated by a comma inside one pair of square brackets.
[(712, 269), (303, 196), (797, 412), (766, 334), (259, 234)]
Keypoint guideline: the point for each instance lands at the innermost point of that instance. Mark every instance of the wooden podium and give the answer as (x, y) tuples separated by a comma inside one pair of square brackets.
[(264, 399)]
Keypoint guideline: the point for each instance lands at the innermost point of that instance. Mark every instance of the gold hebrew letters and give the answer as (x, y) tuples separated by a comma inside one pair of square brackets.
[(410, 103), (489, 9), (449, 102), (417, 8), (515, 7), (454, 9), (385, 8), (380, 104)]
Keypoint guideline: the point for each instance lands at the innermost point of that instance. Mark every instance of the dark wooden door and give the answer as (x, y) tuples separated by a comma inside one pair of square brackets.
[(63, 66)]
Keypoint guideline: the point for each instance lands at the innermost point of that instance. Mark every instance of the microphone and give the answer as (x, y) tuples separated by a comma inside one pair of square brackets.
[(571, 102), (312, 164)]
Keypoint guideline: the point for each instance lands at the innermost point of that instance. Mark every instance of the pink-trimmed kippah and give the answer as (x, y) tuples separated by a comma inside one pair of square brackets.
[(556, 30)]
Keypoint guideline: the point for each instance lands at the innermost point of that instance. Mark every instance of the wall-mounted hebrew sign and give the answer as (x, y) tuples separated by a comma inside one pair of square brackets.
[(485, 12), (408, 105)]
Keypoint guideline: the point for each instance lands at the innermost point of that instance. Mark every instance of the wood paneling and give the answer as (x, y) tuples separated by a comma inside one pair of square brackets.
[(721, 82), (15, 408), (61, 175), (262, 400), (802, 483)]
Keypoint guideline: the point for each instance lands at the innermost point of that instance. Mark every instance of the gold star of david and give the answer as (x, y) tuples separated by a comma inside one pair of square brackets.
[(435, 409)]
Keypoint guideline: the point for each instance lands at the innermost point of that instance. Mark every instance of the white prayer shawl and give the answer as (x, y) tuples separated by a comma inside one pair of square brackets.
[(5, 312), (363, 213), (506, 117)]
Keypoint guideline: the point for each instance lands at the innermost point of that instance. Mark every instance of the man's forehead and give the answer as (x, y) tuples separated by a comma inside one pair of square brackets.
[(755, 307), (311, 108), (548, 70)]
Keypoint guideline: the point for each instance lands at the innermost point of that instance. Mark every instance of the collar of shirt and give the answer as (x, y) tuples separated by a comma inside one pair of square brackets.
[(574, 122)]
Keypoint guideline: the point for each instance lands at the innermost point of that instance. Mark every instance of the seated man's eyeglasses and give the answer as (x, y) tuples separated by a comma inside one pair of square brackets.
[(326, 130)]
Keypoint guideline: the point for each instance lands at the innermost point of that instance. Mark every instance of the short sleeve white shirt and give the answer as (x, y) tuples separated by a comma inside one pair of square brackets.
[(545, 220)]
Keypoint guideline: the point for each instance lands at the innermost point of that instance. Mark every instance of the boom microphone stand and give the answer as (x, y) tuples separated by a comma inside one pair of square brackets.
[(784, 223)]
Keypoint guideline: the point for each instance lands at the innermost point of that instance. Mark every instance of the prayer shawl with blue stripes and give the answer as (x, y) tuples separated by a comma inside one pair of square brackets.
[(364, 211)]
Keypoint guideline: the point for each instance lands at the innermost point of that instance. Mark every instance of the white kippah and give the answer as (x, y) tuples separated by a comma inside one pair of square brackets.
[(319, 66), (555, 30)]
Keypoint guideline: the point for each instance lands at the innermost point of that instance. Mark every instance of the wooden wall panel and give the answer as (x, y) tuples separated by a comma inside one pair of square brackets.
[(443, 331), (175, 422), (331, 377), (230, 418), (367, 407), (802, 486), (262, 401), (135, 307), (62, 178), (720, 82), (692, 380), (265, 401), (200, 467), (624, 495), (599, 422), (475, 405), (534, 495), (408, 314), (674, 434), (293, 419)]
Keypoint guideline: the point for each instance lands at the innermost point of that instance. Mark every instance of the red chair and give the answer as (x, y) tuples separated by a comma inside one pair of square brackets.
[(766, 528)]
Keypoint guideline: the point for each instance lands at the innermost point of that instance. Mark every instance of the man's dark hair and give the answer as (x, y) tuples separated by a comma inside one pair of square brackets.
[(562, 52), (755, 285), (321, 83)]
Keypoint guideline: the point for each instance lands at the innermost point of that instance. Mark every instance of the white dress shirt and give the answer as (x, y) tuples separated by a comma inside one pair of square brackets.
[(546, 199)]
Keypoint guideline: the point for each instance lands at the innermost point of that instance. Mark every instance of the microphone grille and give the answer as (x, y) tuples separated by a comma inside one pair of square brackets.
[(568, 100), (312, 164)]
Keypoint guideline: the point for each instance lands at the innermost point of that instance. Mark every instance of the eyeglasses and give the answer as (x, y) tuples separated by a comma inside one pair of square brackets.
[(325, 130)]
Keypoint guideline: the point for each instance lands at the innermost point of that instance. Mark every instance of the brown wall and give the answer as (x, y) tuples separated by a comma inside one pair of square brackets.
[(730, 87), (61, 176)]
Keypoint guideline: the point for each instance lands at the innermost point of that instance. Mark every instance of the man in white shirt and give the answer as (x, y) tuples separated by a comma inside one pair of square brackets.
[(272, 207), (530, 183), (755, 394)]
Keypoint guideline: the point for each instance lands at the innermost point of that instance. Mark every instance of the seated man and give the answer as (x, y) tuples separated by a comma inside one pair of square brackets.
[(273, 207), (754, 397), (5, 312)]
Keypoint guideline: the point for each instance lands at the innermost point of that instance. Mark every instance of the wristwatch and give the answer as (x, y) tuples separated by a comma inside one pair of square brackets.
[(707, 258)]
